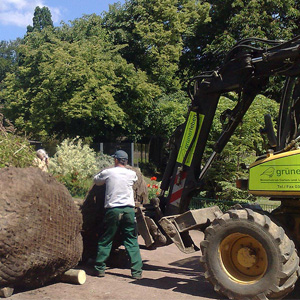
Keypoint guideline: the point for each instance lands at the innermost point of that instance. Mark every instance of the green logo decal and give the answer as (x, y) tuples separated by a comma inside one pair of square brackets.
[(269, 172), (279, 174), (189, 132)]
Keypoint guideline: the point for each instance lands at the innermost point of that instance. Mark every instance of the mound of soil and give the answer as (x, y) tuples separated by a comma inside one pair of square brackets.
[(40, 228)]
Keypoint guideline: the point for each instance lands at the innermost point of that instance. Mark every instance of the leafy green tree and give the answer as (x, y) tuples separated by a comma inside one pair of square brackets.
[(169, 112), (154, 32), (71, 84), (233, 20), (42, 18), (8, 57)]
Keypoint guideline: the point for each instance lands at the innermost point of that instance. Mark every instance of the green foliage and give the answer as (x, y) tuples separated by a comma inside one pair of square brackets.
[(233, 20), (148, 168), (75, 163), (71, 84), (15, 151), (122, 73), (8, 57), (155, 32), (228, 191), (103, 161), (77, 186), (169, 112), (243, 147), (41, 19), (73, 158), (153, 190)]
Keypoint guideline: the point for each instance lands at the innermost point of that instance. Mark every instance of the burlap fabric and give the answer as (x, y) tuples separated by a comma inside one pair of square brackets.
[(40, 228)]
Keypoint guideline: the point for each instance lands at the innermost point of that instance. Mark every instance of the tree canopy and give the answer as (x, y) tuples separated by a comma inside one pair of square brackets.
[(155, 32), (82, 86), (124, 73), (8, 57), (42, 18), (233, 20)]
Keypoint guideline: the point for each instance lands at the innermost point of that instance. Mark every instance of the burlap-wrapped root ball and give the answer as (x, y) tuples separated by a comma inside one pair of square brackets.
[(40, 228)]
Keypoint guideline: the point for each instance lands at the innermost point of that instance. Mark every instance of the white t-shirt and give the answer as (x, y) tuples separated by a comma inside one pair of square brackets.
[(119, 182)]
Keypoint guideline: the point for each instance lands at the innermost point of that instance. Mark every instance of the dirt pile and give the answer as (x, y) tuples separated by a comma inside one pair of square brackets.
[(40, 228)]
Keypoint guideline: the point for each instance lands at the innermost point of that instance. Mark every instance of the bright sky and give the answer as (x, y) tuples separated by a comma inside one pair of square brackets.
[(16, 15)]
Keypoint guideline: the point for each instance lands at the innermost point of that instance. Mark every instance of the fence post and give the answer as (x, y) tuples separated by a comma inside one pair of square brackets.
[(132, 154)]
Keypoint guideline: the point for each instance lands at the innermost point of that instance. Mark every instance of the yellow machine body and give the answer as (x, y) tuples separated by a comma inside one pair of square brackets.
[(276, 175)]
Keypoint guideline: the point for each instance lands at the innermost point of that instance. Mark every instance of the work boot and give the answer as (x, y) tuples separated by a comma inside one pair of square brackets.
[(98, 273), (137, 276)]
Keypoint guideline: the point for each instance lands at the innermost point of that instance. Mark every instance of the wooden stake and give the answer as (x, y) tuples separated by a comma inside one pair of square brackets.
[(74, 276), (6, 292)]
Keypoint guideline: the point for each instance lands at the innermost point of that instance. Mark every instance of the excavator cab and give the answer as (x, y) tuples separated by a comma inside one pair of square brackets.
[(277, 174)]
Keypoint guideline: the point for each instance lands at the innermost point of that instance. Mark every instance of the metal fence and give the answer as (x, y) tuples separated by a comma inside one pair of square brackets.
[(224, 205), (137, 152)]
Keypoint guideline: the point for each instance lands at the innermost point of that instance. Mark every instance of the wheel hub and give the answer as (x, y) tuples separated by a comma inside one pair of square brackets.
[(246, 257), (243, 258)]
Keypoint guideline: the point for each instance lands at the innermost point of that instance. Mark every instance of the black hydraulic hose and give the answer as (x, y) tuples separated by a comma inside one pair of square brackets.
[(278, 45), (258, 40), (204, 75), (231, 52), (287, 42)]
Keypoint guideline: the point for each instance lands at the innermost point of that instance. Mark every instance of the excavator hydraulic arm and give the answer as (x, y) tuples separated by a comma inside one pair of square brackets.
[(246, 71)]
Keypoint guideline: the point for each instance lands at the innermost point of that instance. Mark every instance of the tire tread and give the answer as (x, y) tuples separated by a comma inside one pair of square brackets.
[(289, 272)]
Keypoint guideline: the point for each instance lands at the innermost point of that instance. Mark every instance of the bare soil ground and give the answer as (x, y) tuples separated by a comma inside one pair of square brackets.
[(168, 274)]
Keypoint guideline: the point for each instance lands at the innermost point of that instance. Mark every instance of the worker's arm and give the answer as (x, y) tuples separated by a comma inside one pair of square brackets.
[(100, 178)]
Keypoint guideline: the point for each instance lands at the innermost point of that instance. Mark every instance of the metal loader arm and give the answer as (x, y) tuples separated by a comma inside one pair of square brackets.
[(246, 70)]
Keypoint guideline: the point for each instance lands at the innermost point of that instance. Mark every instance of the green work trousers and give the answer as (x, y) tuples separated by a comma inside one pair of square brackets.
[(123, 218)]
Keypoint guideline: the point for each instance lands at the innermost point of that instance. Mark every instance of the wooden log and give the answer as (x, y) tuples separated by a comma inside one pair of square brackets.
[(6, 292), (74, 276)]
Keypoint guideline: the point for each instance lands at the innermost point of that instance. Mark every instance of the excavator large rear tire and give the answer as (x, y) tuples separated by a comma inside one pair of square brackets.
[(248, 257)]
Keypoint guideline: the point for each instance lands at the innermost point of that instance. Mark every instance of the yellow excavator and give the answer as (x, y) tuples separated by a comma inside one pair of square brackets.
[(247, 253)]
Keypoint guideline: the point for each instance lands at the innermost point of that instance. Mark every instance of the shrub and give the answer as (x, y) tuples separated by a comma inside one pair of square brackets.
[(148, 168), (15, 150), (73, 164), (104, 161), (72, 156), (229, 192), (77, 186)]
